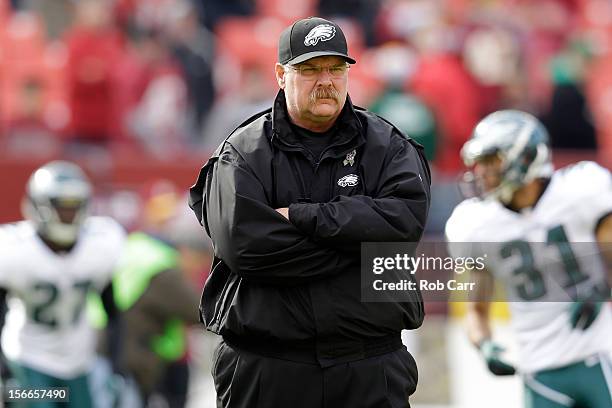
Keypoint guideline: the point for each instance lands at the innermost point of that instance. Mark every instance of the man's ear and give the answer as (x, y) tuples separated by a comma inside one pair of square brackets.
[(280, 75)]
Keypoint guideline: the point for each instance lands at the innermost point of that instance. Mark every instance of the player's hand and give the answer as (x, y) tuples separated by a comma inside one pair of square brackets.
[(5, 372), (492, 355), (584, 313)]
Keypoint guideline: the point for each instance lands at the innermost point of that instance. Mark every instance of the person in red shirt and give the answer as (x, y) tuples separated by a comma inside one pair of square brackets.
[(93, 47)]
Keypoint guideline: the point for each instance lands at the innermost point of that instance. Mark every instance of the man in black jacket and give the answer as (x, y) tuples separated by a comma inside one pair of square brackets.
[(287, 200)]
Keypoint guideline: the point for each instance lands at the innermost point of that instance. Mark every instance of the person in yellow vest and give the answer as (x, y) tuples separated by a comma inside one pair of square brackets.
[(157, 301)]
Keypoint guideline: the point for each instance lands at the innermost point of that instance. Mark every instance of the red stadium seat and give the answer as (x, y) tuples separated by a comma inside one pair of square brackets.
[(251, 40), (287, 11)]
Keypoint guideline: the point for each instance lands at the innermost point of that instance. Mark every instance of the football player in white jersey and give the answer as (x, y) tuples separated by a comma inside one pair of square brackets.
[(49, 263), (543, 233)]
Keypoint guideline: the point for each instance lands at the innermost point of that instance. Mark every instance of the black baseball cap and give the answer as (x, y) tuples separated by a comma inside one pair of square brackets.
[(309, 38)]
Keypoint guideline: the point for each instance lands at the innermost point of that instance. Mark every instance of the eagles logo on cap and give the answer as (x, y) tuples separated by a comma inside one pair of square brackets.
[(310, 38), (323, 32)]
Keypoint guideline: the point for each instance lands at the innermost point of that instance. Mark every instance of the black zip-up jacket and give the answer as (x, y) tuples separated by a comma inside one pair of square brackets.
[(293, 287)]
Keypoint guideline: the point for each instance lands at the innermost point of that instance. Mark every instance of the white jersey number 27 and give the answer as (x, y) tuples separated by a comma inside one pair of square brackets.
[(44, 304)]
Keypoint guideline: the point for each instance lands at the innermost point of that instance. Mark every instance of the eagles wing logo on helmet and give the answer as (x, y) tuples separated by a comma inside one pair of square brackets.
[(323, 32)]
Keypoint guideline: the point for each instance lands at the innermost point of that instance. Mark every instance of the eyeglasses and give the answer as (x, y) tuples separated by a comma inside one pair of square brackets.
[(312, 71)]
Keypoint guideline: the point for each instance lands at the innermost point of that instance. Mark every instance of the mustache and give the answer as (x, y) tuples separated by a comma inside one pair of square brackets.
[(324, 93)]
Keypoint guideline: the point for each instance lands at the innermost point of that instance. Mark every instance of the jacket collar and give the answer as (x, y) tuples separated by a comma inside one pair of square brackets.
[(348, 134)]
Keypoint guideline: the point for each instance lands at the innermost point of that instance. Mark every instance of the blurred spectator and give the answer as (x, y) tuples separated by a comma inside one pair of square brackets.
[(130, 78), (195, 258), (156, 89), (360, 10), (547, 26), (157, 296), (410, 115), (492, 54), (147, 15), (444, 84), (16, 4), (398, 20), (57, 14), (29, 133), (193, 47), (569, 119), (251, 96), (394, 64), (156, 300), (215, 10), (93, 45), (159, 120), (193, 245)]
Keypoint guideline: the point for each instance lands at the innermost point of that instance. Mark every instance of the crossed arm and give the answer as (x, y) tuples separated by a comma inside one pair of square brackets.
[(396, 211), (259, 243), (251, 237)]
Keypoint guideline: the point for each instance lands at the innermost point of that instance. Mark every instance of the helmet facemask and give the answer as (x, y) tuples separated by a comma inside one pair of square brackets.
[(474, 184)]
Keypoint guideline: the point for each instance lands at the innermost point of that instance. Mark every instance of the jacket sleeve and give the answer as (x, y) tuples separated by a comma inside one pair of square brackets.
[(397, 211), (250, 236)]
